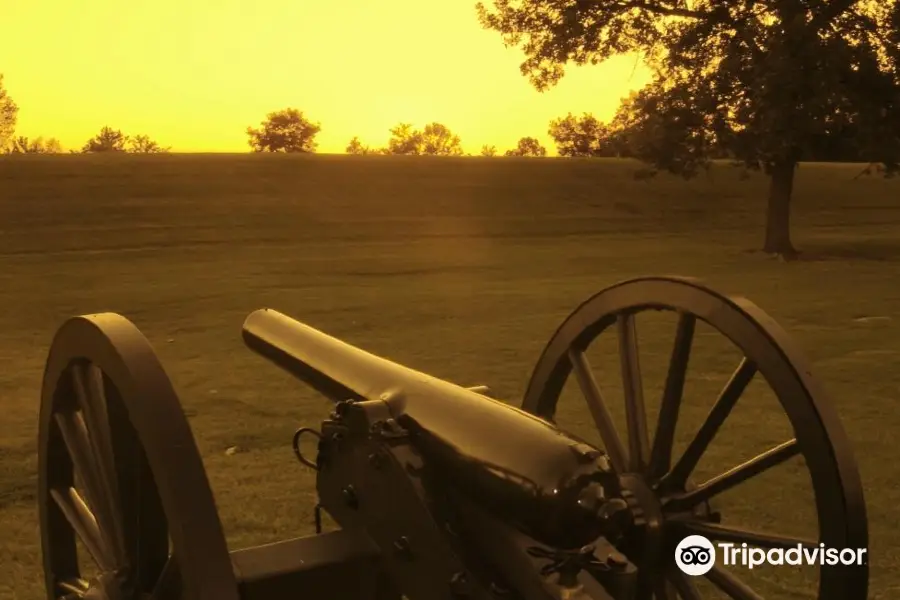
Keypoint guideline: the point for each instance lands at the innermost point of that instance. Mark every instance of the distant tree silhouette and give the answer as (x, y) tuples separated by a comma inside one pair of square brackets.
[(108, 140), (357, 147), (760, 81), (8, 114), (528, 146), (405, 140), (584, 136), (438, 140), (285, 131), (488, 150), (22, 145), (435, 139), (142, 144)]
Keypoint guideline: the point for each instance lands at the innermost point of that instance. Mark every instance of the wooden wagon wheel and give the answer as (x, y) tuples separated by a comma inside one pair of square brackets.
[(119, 470), (660, 489)]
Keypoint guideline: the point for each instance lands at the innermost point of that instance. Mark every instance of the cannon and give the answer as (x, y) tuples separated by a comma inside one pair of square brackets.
[(438, 490)]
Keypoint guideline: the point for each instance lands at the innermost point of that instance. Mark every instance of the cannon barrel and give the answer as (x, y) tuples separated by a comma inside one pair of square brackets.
[(550, 483)]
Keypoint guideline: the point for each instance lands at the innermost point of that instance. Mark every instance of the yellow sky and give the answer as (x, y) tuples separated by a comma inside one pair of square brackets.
[(193, 74)]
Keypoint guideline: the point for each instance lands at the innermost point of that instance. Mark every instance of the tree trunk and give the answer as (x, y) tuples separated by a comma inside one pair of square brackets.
[(778, 210)]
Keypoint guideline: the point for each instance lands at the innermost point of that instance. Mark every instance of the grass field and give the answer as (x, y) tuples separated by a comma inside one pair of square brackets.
[(461, 268)]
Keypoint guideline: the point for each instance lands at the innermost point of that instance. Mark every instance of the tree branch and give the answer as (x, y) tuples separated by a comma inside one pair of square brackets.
[(657, 8), (832, 11), (747, 38)]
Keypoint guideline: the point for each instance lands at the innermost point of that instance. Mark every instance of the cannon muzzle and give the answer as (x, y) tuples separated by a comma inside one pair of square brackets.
[(551, 483), (333, 368)]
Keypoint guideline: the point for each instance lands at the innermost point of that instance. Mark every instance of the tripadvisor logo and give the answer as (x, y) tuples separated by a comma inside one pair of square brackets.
[(696, 555)]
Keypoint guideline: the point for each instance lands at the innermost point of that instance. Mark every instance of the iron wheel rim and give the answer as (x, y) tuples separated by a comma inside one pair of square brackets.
[(110, 415)]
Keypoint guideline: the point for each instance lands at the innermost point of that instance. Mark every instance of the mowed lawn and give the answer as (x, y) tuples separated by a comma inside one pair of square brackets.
[(462, 268)]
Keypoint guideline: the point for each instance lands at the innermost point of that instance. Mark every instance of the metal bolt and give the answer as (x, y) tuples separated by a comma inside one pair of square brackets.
[(459, 584), (350, 497)]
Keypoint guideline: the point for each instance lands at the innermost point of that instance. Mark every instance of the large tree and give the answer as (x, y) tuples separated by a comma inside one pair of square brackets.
[(762, 81), (8, 113), (285, 130)]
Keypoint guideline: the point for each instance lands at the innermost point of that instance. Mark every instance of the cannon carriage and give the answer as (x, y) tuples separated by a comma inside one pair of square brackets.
[(439, 491)]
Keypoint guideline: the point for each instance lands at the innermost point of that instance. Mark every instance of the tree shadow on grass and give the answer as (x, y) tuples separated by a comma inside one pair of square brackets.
[(878, 250)]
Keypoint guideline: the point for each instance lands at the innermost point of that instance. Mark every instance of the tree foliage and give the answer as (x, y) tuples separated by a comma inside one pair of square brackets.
[(527, 146), (8, 114), (108, 140), (39, 145), (438, 140), (404, 140), (762, 81), (435, 139), (113, 140), (142, 144), (286, 130), (487, 150), (587, 136), (357, 147)]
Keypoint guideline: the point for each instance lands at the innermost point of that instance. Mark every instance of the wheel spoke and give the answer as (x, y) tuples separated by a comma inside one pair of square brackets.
[(87, 381), (635, 411), (75, 436), (738, 535), (84, 524), (731, 585), (599, 412), (714, 420), (670, 405), (168, 586), (143, 520), (734, 477), (74, 588), (683, 585)]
